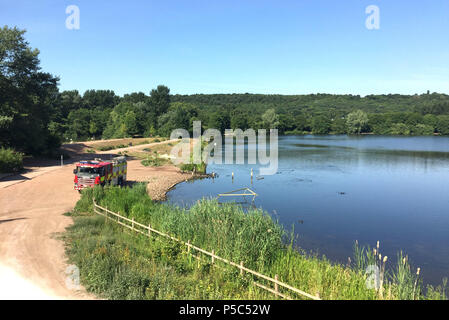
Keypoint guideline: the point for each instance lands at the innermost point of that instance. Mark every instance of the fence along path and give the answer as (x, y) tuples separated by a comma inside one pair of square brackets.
[(134, 226)]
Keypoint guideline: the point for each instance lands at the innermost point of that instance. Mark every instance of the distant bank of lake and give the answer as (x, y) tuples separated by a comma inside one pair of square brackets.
[(338, 189)]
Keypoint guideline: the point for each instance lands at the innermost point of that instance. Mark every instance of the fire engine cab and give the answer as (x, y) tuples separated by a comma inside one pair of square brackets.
[(89, 173)]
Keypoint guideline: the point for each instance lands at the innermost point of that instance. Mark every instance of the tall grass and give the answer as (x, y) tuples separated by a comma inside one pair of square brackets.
[(260, 242), (153, 161), (251, 237), (118, 265), (408, 282), (401, 281), (194, 167)]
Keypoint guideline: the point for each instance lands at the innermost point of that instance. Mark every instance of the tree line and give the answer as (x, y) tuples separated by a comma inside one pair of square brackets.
[(35, 117)]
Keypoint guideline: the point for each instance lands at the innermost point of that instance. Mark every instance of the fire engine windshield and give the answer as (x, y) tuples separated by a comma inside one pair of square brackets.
[(88, 170)]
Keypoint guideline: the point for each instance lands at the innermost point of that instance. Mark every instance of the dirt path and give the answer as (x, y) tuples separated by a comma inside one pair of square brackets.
[(160, 179), (31, 213), (138, 147), (32, 258)]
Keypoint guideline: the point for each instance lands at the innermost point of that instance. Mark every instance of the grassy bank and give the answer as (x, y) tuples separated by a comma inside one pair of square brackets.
[(116, 264)]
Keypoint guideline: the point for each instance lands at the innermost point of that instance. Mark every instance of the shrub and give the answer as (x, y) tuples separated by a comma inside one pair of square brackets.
[(107, 148), (152, 162), (192, 167), (10, 160), (400, 129), (423, 130)]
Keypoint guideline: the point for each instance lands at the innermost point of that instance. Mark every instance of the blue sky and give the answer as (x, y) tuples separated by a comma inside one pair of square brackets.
[(227, 46)]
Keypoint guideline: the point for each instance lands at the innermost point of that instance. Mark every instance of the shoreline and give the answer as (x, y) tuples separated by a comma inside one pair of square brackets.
[(160, 180), (163, 194)]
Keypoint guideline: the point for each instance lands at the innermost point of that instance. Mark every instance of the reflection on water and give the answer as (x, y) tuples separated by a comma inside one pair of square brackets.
[(336, 189)]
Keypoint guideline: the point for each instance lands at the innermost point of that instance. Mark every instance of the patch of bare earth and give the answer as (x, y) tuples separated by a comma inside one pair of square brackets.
[(32, 206), (160, 179)]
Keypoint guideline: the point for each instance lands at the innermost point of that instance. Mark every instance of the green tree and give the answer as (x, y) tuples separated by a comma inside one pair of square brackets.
[(116, 126), (179, 116), (130, 122), (270, 119), (79, 124), (220, 120), (423, 130), (443, 124), (68, 101), (356, 121), (93, 128), (100, 98), (135, 97), (338, 126), (239, 120), (301, 123), (27, 96), (430, 120), (159, 100), (413, 118), (400, 129), (286, 123), (321, 125)]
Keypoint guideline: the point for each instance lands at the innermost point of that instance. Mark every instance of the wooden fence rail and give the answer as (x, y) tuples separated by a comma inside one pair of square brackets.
[(149, 230)]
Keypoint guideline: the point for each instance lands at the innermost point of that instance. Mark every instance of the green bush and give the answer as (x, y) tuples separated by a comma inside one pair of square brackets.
[(423, 130), (107, 148), (10, 160), (400, 129), (152, 162), (198, 168)]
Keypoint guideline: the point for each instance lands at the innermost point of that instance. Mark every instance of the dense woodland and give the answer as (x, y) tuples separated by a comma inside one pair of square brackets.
[(35, 117)]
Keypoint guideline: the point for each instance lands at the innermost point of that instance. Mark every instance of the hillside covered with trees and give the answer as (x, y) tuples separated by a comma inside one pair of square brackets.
[(102, 114), (35, 117)]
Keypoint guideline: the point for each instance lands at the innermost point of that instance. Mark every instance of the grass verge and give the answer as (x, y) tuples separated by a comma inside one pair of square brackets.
[(118, 265)]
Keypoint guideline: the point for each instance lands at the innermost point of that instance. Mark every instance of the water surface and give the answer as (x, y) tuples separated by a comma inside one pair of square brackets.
[(337, 189)]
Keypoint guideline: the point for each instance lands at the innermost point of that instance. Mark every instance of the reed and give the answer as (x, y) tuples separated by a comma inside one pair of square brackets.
[(262, 244), (118, 265)]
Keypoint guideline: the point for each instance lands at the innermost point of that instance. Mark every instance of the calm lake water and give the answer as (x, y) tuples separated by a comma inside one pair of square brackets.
[(338, 189)]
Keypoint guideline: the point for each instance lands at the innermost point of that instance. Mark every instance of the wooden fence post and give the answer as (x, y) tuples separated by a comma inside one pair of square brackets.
[(277, 283), (276, 286)]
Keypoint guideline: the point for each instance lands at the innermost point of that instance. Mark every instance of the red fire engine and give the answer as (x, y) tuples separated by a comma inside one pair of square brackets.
[(89, 173)]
